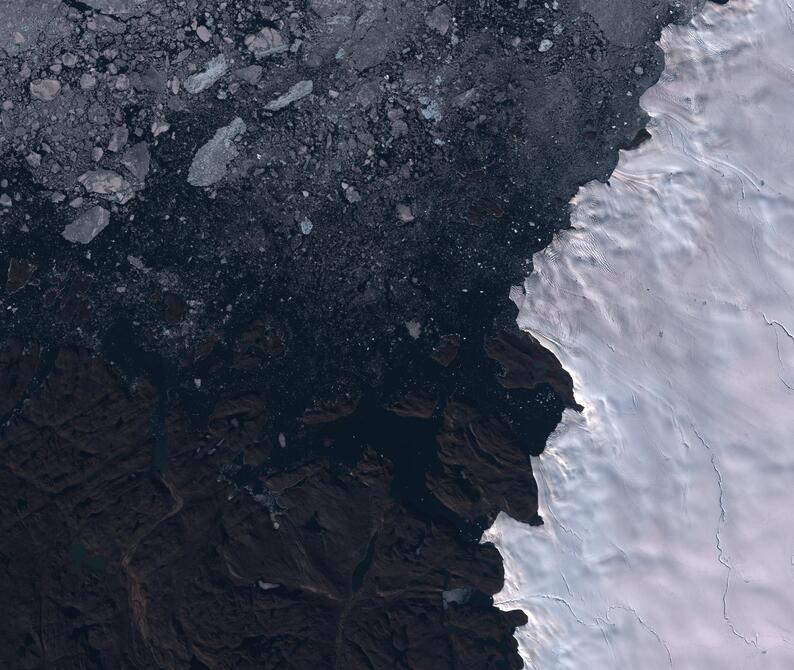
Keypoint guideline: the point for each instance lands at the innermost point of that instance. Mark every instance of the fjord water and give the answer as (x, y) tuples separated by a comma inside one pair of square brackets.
[(669, 502)]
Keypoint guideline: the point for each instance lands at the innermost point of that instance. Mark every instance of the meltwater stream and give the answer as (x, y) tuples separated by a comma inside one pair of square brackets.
[(669, 503)]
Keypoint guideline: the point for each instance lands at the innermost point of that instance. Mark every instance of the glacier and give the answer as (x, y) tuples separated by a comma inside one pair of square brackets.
[(668, 536)]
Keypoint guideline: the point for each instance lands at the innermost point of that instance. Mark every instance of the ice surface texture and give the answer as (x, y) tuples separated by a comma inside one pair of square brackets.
[(669, 534)]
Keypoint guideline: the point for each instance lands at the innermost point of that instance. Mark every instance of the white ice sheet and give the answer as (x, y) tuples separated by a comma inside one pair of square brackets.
[(669, 504)]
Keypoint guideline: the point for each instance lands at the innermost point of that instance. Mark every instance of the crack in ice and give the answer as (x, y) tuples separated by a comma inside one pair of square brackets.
[(775, 322), (658, 637), (718, 537), (787, 332), (563, 601), (552, 513)]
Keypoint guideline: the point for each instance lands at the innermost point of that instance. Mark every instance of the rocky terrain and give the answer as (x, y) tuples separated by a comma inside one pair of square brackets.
[(261, 388)]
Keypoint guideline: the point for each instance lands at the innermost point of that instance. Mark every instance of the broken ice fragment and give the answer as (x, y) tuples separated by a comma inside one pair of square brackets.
[(306, 226), (87, 81), (266, 586), (87, 226), (118, 7), (45, 89), (136, 159), (153, 79), (439, 19), (352, 195), (101, 181), (545, 45), (264, 53), (118, 139), (466, 98), (414, 329), (160, 127), (295, 93), (106, 182), (250, 74), (404, 213), (430, 110), (213, 70), (211, 161), (266, 43), (136, 262)]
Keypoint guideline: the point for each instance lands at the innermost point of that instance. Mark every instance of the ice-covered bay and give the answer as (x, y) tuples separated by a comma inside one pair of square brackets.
[(669, 503)]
